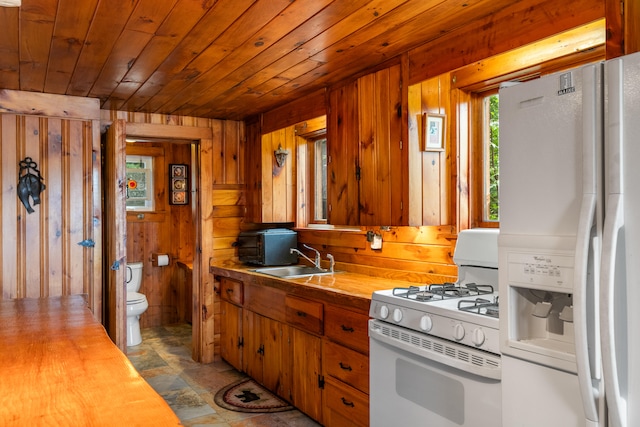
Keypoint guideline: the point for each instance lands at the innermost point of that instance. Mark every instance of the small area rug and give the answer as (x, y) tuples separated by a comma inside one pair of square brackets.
[(248, 396)]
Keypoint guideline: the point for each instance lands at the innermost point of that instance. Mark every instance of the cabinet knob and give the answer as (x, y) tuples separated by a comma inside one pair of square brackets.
[(347, 328)]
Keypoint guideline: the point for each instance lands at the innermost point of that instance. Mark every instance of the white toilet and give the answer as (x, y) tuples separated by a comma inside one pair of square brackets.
[(136, 303)]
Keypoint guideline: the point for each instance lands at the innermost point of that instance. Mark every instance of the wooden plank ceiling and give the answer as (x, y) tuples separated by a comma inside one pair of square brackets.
[(225, 59)]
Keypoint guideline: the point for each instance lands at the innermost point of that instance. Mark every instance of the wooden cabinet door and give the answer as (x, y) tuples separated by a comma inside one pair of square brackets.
[(253, 350), (383, 175), (231, 340), (267, 352), (277, 357), (367, 165), (342, 156), (307, 367)]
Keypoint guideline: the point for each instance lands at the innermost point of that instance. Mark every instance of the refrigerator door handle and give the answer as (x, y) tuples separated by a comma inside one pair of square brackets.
[(583, 363), (614, 222)]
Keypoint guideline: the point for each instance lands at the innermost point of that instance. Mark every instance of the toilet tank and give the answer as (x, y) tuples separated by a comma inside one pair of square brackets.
[(134, 276)]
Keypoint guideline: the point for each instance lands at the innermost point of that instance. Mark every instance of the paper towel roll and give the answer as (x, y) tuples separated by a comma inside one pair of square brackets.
[(163, 260)]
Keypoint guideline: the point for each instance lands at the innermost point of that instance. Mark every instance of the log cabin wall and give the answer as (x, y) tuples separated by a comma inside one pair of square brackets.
[(41, 255)]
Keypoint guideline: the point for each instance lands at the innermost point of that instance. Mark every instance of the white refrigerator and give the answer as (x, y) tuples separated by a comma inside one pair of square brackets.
[(569, 247)]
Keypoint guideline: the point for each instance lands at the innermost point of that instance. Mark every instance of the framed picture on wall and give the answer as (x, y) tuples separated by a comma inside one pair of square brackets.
[(178, 184), (433, 131)]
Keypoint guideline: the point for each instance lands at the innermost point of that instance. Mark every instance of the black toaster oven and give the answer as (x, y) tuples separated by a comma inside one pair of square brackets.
[(268, 247)]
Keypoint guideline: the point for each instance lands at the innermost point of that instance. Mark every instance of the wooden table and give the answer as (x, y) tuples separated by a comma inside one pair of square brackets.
[(59, 367)]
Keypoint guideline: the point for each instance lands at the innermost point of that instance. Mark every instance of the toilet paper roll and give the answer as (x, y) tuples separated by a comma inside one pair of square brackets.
[(163, 260)]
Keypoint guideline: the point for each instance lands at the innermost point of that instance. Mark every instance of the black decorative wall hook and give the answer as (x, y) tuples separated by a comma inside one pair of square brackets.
[(29, 183)]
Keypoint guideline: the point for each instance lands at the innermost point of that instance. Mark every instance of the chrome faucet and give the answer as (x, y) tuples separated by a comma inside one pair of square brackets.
[(316, 263), (332, 262)]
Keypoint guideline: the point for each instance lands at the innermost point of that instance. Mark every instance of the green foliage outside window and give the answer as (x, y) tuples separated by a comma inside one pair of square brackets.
[(493, 158)]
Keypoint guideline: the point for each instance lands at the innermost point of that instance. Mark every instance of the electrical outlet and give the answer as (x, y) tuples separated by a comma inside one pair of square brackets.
[(376, 243)]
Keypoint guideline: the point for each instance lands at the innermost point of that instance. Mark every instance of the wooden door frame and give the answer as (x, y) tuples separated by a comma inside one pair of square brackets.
[(203, 293), (115, 312)]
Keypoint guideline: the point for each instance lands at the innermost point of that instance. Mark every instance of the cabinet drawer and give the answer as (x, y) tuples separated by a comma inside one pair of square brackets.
[(304, 314), (264, 300), (345, 405), (347, 327), (231, 290), (346, 365)]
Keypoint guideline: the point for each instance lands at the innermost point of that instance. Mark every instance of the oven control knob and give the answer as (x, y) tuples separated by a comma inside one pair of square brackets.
[(384, 311), (458, 331), (478, 337), (397, 315), (426, 323)]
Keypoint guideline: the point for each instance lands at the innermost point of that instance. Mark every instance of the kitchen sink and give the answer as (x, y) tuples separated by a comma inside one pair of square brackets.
[(293, 271)]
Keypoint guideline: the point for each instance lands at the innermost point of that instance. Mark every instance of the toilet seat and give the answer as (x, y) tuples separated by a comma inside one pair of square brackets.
[(135, 298)]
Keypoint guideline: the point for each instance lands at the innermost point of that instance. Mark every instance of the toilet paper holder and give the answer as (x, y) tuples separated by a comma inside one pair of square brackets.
[(160, 260)]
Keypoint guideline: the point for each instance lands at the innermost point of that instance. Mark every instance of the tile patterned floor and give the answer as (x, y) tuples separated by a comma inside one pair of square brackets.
[(164, 360)]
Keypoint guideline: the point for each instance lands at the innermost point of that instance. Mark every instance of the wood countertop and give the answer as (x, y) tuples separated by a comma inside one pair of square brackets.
[(59, 367), (343, 288)]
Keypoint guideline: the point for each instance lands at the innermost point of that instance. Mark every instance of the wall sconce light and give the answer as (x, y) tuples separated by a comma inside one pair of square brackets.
[(281, 155)]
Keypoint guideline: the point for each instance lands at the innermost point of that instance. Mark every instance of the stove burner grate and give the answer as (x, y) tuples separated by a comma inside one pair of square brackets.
[(413, 292), (453, 290), (442, 291), (480, 306)]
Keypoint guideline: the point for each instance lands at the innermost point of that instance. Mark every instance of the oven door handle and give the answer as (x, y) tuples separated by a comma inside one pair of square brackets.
[(449, 354)]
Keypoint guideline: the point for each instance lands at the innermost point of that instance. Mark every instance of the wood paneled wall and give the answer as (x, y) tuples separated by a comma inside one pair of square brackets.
[(40, 254), (430, 171), (277, 183), (415, 254)]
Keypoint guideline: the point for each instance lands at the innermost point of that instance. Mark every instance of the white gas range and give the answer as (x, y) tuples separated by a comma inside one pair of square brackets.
[(434, 352)]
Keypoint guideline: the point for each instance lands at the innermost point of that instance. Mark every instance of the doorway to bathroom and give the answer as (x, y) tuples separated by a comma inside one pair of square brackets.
[(161, 207), (218, 147), (146, 235)]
